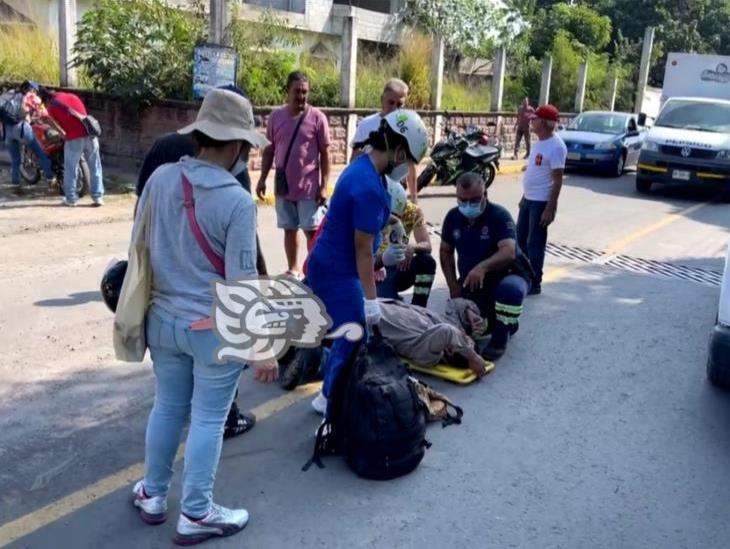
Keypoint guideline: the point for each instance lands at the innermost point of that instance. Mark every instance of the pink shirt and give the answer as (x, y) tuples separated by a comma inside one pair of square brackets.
[(302, 171)]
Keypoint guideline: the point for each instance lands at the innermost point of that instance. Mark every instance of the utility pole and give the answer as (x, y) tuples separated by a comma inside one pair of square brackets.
[(580, 94), (644, 68), (66, 40), (220, 20), (547, 70)]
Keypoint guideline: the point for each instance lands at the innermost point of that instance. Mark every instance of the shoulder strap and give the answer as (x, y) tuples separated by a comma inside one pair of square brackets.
[(293, 138), (68, 109), (189, 204)]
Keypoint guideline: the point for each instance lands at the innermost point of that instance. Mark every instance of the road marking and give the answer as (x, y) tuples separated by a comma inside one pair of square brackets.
[(641, 233), (44, 516)]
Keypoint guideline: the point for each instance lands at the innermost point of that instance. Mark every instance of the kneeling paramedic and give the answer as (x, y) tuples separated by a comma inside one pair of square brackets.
[(493, 272), (341, 265), (418, 267)]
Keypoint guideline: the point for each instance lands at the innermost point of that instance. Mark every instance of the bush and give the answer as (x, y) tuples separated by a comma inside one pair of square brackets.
[(324, 81), (462, 96), (138, 49), (28, 53), (415, 69)]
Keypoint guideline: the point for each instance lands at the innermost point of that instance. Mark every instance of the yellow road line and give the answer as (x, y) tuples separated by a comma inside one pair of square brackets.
[(44, 516), (641, 233)]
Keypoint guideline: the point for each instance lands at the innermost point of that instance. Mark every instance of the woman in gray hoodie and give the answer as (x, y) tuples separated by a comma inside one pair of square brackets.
[(202, 228)]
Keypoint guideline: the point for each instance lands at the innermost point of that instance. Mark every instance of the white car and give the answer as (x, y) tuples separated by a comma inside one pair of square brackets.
[(718, 360)]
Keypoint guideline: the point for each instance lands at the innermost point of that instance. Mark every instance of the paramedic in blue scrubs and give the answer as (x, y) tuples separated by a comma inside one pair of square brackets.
[(341, 265)]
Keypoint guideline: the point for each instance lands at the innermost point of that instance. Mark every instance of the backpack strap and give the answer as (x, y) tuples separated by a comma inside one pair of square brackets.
[(189, 204)]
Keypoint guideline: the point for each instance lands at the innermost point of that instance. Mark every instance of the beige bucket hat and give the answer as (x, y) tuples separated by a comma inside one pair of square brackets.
[(226, 116)]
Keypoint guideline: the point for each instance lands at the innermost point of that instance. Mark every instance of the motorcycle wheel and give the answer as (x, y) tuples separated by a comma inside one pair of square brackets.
[(83, 179), (427, 175), (29, 169), (490, 172)]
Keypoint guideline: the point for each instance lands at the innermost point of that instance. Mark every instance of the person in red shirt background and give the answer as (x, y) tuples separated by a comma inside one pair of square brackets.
[(64, 111)]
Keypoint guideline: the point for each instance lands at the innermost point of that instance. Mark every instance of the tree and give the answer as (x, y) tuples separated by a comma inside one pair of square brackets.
[(472, 27), (138, 49), (585, 27)]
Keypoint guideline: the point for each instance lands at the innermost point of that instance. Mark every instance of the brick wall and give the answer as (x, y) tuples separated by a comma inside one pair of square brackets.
[(128, 133)]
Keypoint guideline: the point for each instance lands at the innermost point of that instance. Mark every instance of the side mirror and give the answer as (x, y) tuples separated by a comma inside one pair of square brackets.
[(642, 119)]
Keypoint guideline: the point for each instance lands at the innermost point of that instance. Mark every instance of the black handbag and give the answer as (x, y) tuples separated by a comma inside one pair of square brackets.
[(281, 185), (90, 124)]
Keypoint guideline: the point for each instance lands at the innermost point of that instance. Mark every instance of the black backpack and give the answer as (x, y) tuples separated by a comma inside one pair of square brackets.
[(377, 421), (10, 107)]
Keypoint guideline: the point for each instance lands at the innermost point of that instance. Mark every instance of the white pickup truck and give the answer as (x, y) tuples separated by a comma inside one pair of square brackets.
[(690, 140)]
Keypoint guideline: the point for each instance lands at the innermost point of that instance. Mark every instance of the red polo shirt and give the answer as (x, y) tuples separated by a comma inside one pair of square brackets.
[(73, 128)]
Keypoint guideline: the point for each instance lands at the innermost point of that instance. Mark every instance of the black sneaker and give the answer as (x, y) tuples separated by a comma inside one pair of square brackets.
[(535, 290)]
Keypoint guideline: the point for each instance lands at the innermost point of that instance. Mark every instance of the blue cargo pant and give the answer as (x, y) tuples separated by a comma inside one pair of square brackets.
[(501, 305)]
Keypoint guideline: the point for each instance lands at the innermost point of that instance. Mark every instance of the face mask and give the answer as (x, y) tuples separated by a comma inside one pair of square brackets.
[(233, 166), (239, 167), (399, 172), (470, 210)]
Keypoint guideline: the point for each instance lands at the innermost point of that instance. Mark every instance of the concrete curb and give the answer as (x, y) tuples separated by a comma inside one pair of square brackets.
[(510, 169)]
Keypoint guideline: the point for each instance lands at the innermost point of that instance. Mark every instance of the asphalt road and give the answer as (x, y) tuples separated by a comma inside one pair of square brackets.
[(596, 429)]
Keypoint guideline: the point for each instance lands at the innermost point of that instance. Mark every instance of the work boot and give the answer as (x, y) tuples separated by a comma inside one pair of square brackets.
[(536, 289), (493, 352), (152, 509), (219, 522)]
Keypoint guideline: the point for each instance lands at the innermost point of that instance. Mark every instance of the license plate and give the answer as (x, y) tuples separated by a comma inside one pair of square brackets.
[(680, 174), (574, 156)]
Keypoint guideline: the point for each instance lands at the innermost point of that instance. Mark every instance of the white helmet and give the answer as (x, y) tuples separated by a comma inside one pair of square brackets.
[(409, 125), (398, 197)]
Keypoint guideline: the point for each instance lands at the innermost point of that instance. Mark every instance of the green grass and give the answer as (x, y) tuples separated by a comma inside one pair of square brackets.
[(28, 53), (458, 96)]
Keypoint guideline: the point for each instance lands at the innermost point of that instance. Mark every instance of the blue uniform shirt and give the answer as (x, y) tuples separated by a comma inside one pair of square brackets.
[(360, 202), (477, 240)]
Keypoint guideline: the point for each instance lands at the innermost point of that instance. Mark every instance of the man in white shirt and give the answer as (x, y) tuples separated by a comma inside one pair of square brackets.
[(541, 186), (394, 97)]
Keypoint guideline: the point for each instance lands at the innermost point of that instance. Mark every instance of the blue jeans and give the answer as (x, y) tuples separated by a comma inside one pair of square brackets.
[(22, 134), (531, 236), (188, 383), (72, 152)]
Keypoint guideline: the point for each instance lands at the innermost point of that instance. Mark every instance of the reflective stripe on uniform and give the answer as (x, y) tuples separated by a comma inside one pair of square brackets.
[(421, 290), (424, 278), (508, 309)]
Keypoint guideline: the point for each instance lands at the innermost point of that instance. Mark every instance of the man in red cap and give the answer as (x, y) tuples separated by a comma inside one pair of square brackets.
[(541, 186)]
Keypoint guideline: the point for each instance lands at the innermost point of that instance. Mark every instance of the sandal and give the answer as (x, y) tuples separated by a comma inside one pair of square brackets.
[(244, 423), (296, 275)]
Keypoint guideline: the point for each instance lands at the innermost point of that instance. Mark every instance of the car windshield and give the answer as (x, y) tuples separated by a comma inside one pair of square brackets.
[(695, 115), (612, 123)]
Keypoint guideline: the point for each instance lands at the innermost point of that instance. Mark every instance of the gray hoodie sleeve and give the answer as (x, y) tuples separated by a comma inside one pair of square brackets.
[(241, 241)]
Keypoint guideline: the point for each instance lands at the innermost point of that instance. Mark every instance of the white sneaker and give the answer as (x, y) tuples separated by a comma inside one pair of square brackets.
[(320, 404), (67, 202), (220, 522), (98, 201), (152, 510)]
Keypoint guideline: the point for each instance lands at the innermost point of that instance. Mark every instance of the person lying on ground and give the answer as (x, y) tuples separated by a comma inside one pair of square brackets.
[(419, 335)]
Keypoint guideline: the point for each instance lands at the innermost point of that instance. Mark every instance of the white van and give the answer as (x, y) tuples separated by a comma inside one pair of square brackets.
[(690, 140)]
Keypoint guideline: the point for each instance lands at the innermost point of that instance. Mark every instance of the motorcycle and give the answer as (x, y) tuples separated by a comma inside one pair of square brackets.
[(51, 143), (473, 151)]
